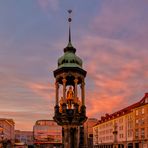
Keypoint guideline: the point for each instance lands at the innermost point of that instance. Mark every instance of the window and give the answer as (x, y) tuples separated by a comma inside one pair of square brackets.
[(136, 133), (142, 110), (120, 120), (142, 121), (131, 133), (111, 137), (121, 135), (137, 121), (142, 133), (136, 112), (120, 127)]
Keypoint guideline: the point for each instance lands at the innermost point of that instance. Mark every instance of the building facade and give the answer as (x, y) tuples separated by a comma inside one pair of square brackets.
[(47, 133), (7, 131), (125, 128), (88, 132), (25, 137), (141, 124)]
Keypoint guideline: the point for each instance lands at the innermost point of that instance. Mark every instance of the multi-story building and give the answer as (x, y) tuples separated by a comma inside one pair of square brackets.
[(125, 128), (141, 124), (47, 133), (88, 132), (25, 137), (7, 131)]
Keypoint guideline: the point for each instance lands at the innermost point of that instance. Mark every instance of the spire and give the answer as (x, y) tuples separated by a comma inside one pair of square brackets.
[(69, 46), (69, 20)]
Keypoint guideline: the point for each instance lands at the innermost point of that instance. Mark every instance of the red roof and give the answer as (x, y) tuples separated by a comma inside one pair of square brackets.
[(123, 111)]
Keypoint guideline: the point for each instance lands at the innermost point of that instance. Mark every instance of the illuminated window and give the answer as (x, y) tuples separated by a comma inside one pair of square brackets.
[(136, 112), (142, 110)]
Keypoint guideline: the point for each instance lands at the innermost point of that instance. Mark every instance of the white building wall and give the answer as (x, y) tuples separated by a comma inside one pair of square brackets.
[(103, 132)]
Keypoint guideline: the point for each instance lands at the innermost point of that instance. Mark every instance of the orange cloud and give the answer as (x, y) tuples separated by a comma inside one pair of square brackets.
[(115, 73), (102, 103)]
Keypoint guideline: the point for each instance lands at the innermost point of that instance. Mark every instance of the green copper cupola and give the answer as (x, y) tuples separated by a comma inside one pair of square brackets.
[(69, 61)]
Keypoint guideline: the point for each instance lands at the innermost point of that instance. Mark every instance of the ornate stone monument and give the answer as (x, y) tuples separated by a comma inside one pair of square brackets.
[(70, 110)]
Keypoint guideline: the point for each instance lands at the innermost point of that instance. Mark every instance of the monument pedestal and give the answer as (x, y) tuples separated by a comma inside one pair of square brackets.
[(71, 136)]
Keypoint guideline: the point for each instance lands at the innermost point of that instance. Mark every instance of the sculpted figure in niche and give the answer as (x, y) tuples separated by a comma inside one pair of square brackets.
[(70, 95)]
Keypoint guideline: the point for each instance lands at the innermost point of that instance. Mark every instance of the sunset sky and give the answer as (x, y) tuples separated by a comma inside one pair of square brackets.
[(111, 36)]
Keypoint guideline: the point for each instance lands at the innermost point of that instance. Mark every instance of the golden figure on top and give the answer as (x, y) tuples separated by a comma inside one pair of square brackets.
[(70, 95)]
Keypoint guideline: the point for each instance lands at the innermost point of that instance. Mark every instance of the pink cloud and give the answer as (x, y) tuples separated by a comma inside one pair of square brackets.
[(115, 71), (102, 103)]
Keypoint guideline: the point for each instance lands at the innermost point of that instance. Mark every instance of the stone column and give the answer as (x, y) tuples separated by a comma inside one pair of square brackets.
[(71, 137), (57, 92), (64, 89), (76, 137), (76, 91), (83, 92), (66, 137)]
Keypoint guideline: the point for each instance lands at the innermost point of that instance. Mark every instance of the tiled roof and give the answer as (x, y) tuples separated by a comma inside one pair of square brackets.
[(123, 111)]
